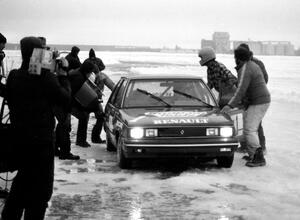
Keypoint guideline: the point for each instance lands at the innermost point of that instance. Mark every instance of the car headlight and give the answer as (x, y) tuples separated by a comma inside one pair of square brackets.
[(226, 131), (137, 133)]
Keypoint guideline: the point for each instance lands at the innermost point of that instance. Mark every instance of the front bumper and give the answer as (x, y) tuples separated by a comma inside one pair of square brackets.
[(192, 148)]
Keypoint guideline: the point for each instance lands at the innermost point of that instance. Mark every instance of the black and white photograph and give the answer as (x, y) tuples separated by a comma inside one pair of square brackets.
[(145, 110)]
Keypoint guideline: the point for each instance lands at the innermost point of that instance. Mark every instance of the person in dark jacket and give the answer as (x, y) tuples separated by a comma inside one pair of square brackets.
[(77, 78), (251, 84), (218, 76), (261, 135), (101, 80), (31, 99), (73, 59)]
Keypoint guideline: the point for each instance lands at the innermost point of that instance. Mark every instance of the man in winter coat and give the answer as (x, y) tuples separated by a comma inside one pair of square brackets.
[(73, 59), (218, 76), (101, 80), (63, 143), (261, 135), (31, 99), (251, 84)]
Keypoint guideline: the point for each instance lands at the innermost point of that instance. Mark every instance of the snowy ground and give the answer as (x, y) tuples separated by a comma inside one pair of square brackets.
[(95, 188)]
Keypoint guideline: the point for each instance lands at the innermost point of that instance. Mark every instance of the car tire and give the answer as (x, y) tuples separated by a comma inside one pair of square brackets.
[(225, 161), (123, 162), (109, 146)]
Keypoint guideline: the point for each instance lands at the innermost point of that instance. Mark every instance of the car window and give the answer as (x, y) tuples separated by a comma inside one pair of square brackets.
[(179, 92), (114, 93), (119, 94)]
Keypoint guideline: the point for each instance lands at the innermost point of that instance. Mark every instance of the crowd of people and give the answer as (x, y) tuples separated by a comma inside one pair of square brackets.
[(36, 102), (41, 107)]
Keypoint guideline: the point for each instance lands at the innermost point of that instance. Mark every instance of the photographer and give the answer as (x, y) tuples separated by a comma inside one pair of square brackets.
[(31, 99)]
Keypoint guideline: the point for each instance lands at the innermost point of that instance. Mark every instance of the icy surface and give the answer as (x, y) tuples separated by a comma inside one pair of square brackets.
[(95, 188)]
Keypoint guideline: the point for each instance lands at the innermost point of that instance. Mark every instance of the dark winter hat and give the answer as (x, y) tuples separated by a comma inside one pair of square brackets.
[(92, 53), (75, 50), (246, 46), (2, 39), (28, 44), (87, 67), (242, 54)]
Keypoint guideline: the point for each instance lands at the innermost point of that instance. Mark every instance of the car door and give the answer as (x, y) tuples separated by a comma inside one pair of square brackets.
[(112, 110)]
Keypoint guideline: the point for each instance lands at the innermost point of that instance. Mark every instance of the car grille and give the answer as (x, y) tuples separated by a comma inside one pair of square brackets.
[(182, 132)]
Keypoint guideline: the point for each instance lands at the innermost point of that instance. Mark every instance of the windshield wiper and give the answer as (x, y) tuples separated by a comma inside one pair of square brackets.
[(154, 97), (193, 97)]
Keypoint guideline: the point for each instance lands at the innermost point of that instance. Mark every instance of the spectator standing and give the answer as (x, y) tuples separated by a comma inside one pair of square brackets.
[(73, 59)]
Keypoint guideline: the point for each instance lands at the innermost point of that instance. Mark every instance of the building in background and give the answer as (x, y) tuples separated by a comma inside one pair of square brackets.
[(221, 41), (222, 44)]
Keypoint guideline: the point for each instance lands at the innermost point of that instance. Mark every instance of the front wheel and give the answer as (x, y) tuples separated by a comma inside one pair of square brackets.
[(123, 162), (225, 161)]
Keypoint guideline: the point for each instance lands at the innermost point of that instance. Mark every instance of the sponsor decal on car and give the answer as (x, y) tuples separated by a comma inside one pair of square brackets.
[(181, 121), (173, 114)]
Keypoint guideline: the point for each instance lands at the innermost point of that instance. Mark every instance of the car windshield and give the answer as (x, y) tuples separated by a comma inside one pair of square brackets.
[(167, 93)]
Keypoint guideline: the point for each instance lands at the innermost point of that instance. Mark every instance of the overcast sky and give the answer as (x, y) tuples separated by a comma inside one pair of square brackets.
[(154, 23)]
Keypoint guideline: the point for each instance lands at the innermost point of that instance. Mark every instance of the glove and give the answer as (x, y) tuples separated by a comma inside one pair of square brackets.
[(62, 66), (2, 55)]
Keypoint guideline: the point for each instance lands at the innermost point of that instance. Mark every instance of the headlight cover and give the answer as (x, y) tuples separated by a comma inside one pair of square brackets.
[(136, 133), (226, 131)]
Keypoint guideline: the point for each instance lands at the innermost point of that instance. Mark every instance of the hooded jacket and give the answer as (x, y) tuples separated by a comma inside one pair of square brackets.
[(31, 98), (73, 59)]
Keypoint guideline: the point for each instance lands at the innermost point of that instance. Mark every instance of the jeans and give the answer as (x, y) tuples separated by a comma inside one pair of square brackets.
[(252, 118)]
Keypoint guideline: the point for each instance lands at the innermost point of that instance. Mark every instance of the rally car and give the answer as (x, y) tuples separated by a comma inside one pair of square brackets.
[(167, 117)]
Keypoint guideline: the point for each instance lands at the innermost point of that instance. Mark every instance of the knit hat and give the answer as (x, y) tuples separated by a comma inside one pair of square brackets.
[(245, 46), (2, 39), (242, 54), (92, 53), (75, 50)]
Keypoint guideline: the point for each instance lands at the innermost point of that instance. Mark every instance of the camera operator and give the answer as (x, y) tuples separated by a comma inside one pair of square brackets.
[(31, 99)]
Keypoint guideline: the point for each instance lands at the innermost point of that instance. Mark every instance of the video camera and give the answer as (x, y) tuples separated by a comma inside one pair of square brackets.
[(45, 59)]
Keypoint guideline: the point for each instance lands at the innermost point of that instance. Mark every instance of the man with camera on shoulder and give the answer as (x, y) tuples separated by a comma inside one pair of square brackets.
[(32, 93)]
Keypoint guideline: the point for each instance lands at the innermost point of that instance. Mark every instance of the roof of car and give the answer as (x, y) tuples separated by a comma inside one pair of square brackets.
[(162, 76)]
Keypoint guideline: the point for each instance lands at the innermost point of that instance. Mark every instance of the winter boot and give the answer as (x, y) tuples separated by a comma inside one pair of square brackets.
[(258, 159)]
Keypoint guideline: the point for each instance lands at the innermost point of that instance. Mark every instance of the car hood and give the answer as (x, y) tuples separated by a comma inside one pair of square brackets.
[(174, 117)]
